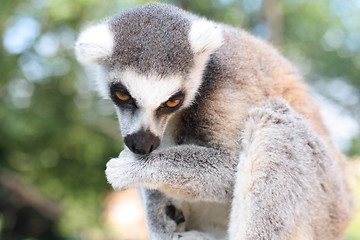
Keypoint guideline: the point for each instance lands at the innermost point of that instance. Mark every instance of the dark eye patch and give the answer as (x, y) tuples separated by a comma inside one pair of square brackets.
[(163, 109), (118, 87)]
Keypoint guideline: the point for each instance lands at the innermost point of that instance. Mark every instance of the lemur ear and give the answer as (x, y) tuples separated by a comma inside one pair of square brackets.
[(205, 36), (94, 44)]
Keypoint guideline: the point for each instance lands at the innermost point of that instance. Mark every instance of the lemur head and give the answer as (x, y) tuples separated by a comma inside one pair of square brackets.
[(151, 60)]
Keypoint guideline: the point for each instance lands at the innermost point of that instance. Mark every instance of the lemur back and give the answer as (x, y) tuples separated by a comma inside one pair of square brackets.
[(212, 118)]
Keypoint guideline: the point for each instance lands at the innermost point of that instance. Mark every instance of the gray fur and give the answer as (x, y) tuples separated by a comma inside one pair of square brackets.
[(291, 170), (237, 163), (162, 50)]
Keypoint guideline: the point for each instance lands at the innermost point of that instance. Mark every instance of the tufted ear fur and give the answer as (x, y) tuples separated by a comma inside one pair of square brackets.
[(205, 36), (95, 44)]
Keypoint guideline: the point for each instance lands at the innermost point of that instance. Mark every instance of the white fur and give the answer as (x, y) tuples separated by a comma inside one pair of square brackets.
[(241, 202), (209, 217), (101, 76), (126, 160), (95, 44), (129, 123), (195, 77), (149, 92), (205, 36)]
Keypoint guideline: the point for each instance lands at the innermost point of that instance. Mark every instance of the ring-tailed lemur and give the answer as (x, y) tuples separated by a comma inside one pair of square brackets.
[(220, 133)]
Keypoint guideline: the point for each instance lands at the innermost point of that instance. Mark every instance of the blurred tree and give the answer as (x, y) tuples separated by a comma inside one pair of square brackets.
[(53, 130), (57, 133), (26, 213)]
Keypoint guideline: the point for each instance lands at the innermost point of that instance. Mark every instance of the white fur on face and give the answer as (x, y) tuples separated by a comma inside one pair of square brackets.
[(129, 122), (95, 44), (149, 92)]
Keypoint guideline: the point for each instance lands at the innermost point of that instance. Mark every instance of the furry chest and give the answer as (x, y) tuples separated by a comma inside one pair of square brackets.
[(208, 217)]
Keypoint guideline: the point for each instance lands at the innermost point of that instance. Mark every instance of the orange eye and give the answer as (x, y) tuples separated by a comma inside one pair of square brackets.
[(122, 96), (172, 103)]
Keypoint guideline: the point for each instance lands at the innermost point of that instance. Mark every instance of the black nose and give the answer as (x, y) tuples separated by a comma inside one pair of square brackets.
[(142, 142)]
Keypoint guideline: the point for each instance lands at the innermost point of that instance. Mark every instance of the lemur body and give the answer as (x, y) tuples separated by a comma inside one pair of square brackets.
[(221, 135)]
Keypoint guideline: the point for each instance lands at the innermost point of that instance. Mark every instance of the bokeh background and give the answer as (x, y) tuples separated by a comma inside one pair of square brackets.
[(56, 134)]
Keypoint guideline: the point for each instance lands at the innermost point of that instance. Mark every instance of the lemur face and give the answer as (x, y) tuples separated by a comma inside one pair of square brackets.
[(144, 104), (151, 61)]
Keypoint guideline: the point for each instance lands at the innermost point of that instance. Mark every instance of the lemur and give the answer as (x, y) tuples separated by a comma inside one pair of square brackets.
[(221, 135)]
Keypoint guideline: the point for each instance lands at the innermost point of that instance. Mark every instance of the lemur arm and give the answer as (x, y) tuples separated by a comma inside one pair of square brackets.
[(282, 173), (187, 171)]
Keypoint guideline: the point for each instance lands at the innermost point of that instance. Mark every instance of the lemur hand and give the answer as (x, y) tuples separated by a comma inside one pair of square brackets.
[(123, 172)]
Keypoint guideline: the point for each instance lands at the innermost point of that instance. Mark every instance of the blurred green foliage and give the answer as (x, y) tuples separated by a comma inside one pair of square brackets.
[(58, 134), (1, 222)]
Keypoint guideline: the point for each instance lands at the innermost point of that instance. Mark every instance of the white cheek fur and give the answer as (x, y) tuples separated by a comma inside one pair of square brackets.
[(151, 90), (131, 122)]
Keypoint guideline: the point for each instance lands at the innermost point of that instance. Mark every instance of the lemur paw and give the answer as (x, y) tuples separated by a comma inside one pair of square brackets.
[(121, 172)]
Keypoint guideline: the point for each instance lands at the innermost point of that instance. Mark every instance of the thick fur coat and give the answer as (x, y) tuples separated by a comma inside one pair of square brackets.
[(221, 135)]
